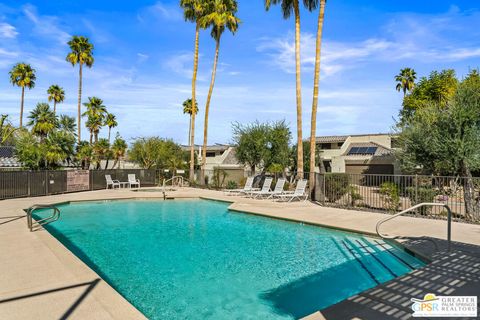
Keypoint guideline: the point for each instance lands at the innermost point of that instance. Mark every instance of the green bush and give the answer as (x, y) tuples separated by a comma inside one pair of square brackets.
[(422, 194), (336, 186), (231, 185), (391, 195), (354, 195), (219, 176)]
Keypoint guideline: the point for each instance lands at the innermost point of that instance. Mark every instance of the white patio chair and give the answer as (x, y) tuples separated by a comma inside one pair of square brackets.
[(277, 190), (247, 188), (267, 183), (299, 193), (111, 182), (132, 181)]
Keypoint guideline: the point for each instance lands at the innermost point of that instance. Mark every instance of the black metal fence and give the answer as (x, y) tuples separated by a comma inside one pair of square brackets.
[(17, 184), (394, 193)]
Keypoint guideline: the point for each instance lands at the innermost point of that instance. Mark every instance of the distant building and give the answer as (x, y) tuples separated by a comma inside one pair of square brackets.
[(356, 154), (8, 161)]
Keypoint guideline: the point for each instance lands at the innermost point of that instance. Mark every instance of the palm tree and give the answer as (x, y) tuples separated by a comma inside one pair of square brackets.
[(55, 94), (81, 54), (193, 11), (84, 154), (6, 130), (95, 116), (67, 124), (101, 151), (42, 120), (289, 6), (22, 75), (222, 17), (406, 80), (313, 124), (119, 148), (110, 122), (187, 109)]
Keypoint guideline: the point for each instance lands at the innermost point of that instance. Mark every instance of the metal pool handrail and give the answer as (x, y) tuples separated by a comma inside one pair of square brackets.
[(424, 204), (54, 217)]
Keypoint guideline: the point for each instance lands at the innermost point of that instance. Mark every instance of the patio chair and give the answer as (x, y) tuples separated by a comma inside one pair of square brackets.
[(267, 183), (111, 182), (247, 188), (277, 190), (132, 181), (299, 193)]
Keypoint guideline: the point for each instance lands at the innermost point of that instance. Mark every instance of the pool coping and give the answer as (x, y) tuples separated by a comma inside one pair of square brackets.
[(216, 196)]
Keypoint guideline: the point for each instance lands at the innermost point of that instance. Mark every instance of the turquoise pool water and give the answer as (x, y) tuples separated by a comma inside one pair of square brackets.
[(193, 259)]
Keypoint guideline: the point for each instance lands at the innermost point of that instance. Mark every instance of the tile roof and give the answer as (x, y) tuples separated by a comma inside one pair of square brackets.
[(330, 139), (7, 158)]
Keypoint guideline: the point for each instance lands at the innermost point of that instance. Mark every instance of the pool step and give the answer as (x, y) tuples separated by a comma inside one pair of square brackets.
[(379, 259)]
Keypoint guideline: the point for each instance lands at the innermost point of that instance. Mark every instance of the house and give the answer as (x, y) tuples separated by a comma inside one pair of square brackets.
[(220, 156), (357, 154), (8, 161)]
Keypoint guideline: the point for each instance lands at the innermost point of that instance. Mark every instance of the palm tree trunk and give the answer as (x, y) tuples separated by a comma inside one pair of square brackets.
[(299, 91), (91, 137), (21, 106), (316, 79), (192, 124), (80, 104), (54, 106), (207, 108), (189, 130), (109, 129)]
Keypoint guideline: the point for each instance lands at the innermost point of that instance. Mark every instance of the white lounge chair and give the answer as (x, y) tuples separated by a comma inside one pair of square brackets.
[(299, 193), (278, 190), (267, 183), (247, 188), (132, 181), (111, 182)]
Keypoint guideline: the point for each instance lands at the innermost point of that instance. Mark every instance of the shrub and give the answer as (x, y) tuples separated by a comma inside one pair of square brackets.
[(422, 194), (391, 195), (354, 195), (219, 176), (231, 185), (336, 186)]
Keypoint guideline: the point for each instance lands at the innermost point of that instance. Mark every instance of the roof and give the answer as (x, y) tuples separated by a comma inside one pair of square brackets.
[(7, 158), (215, 147), (380, 150), (333, 139)]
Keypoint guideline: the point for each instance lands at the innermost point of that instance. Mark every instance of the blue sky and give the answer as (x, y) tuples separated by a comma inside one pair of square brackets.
[(143, 52)]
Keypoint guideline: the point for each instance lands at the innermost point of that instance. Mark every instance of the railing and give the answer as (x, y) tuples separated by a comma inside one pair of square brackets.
[(425, 204), (38, 223), (181, 181)]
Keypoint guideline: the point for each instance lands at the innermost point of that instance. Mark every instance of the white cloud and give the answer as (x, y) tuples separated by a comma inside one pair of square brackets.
[(169, 12), (7, 31), (44, 25)]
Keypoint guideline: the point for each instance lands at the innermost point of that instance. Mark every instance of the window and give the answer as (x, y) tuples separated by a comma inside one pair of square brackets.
[(325, 146), (362, 150), (210, 154)]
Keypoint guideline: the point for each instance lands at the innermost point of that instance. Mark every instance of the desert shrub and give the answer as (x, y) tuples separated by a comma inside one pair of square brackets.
[(336, 185), (354, 195), (422, 194), (231, 184), (391, 195), (219, 176)]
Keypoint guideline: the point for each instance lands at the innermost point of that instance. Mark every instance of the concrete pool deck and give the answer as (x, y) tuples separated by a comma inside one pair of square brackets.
[(41, 279)]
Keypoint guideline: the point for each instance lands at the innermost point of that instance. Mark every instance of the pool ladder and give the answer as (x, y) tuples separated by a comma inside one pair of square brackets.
[(34, 224), (424, 204)]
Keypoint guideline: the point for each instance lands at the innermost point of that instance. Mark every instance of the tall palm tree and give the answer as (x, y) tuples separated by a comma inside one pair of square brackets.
[(193, 11), (316, 80), (22, 75), (56, 94), (221, 17), (406, 80), (187, 109), (289, 6), (81, 54), (95, 114), (110, 122), (42, 120), (119, 148)]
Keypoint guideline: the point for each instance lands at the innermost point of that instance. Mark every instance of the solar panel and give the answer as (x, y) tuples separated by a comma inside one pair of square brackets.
[(362, 150), (353, 150), (371, 150)]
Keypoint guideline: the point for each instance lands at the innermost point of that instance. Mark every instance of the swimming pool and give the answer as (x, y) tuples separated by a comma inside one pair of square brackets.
[(193, 259)]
